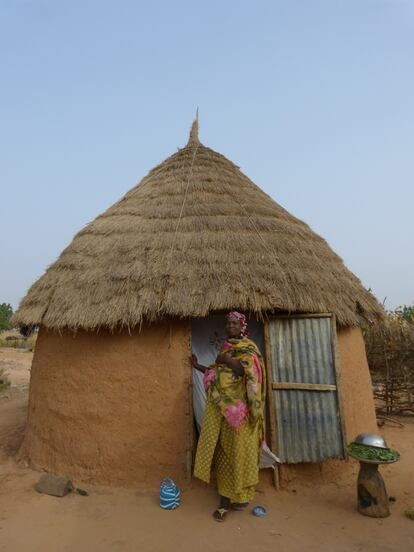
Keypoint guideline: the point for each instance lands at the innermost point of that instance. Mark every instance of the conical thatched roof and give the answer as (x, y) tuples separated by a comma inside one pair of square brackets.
[(194, 236)]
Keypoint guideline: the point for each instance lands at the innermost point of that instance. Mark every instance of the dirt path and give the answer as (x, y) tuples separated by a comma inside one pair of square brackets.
[(16, 362), (322, 518)]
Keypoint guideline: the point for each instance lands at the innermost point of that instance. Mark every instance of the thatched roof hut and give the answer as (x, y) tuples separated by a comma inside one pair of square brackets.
[(110, 394), (194, 236)]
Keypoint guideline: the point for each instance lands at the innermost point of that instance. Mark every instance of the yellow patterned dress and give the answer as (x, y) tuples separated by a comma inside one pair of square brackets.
[(232, 427)]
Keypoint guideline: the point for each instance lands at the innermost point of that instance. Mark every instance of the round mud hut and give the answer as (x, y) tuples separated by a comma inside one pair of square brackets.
[(112, 394)]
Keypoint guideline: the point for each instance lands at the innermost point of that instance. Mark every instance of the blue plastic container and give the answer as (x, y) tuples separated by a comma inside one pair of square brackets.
[(259, 511), (169, 494)]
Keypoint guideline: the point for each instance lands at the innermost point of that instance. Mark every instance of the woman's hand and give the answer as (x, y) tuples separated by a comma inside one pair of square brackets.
[(196, 365), (223, 358)]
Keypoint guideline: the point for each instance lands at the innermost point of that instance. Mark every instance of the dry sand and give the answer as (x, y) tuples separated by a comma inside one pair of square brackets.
[(318, 518)]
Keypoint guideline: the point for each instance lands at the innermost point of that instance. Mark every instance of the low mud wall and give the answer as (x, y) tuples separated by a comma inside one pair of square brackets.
[(111, 408)]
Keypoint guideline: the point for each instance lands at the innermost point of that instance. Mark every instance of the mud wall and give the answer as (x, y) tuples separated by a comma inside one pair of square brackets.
[(357, 394), (116, 408), (111, 408), (358, 407)]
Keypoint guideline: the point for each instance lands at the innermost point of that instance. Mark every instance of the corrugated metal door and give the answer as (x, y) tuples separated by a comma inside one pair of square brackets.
[(304, 384)]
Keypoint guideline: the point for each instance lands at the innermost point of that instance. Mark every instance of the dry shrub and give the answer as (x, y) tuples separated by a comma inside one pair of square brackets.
[(17, 341), (31, 342), (390, 352), (4, 380)]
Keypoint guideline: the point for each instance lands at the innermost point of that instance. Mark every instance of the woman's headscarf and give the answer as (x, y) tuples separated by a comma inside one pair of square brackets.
[(234, 315)]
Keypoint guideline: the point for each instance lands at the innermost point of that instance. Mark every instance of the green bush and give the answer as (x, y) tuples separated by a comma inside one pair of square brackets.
[(6, 312)]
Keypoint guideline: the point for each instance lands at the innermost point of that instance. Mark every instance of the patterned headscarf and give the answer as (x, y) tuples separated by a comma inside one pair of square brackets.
[(234, 315)]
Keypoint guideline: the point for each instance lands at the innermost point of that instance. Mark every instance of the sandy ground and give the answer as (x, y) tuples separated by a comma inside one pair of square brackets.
[(318, 518), (16, 362)]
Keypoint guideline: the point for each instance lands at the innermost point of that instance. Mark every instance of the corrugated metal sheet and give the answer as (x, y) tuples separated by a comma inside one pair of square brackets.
[(308, 422)]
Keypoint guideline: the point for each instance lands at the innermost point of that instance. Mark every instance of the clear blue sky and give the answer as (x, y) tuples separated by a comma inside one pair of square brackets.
[(313, 99)]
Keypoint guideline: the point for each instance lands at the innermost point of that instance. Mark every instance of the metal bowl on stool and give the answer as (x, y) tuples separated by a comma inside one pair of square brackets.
[(371, 440)]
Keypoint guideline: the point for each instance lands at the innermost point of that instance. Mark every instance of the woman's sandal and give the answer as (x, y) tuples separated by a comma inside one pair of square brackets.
[(220, 514), (239, 506)]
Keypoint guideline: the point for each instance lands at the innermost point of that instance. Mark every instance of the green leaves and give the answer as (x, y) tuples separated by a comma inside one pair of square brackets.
[(6, 312), (406, 313), (375, 454)]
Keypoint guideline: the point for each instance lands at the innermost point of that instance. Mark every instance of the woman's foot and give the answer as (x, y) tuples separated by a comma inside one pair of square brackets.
[(222, 510), (239, 505), (220, 514)]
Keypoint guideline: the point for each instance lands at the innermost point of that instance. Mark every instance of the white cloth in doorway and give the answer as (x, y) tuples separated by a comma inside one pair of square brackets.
[(207, 335)]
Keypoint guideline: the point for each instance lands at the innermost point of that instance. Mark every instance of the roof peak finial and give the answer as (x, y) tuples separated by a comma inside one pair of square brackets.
[(193, 138)]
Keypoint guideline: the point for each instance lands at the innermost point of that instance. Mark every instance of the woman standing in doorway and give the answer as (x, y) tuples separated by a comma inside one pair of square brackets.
[(232, 428)]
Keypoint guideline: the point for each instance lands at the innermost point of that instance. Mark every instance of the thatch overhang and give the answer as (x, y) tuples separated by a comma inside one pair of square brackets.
[(194, 236)]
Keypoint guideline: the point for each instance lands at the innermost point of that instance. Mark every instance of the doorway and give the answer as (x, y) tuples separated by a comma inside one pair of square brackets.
[(207, 336)]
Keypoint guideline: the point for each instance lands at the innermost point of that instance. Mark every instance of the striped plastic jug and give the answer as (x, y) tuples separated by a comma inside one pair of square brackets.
[(169, 494)]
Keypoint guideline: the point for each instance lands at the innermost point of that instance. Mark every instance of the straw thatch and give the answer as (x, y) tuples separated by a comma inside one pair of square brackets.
[(194, 236)]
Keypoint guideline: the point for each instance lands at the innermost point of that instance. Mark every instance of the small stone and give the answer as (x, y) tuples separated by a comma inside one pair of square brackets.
[(410, 512), (54, 485)]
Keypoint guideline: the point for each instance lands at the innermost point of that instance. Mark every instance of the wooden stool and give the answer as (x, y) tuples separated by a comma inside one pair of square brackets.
[(372, 494)]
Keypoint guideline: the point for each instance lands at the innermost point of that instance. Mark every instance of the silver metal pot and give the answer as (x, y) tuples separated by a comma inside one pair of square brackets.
[(371, 440)]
